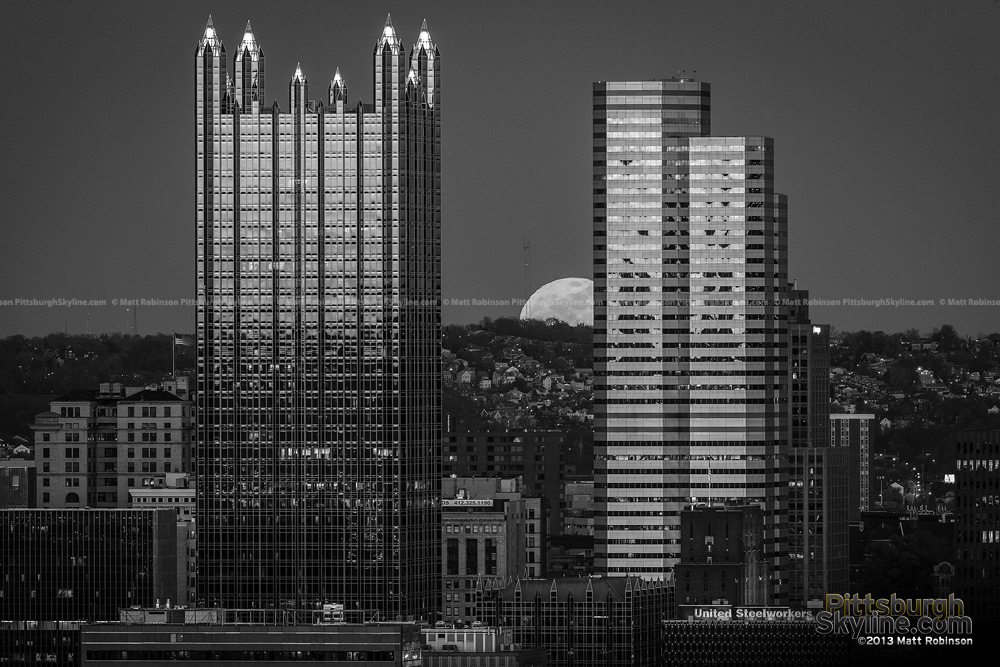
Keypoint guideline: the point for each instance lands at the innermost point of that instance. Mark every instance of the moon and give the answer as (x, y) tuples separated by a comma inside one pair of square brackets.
[(568, 299)]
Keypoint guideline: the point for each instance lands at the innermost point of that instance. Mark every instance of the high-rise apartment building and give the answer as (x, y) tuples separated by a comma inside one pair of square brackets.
[(690, 324), (318, 273)]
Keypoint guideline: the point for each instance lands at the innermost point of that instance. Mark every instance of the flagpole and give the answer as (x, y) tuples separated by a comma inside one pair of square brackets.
[(173, 356)]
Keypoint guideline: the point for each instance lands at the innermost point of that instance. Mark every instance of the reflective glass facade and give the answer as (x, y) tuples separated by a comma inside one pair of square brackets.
[(319, 335), (690, 324), (59, 567)]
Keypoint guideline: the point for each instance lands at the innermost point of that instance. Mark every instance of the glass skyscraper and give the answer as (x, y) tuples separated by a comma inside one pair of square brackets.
[(690, 324), (318, 277)]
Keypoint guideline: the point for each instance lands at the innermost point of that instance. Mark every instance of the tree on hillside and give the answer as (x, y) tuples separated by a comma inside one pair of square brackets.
[(947, 338)]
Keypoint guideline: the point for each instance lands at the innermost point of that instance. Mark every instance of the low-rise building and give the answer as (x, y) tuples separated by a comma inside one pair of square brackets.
[(491, 528), (61, 566), (604, 622), (93, 446), (477, 647), (178, 495), (245, 637), (722, 557), (17, 483)]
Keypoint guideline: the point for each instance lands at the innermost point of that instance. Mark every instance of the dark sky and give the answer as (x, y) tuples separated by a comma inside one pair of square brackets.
[(884, 116)]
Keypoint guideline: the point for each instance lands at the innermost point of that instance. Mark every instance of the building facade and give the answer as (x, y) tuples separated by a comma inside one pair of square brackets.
[(318, 271), (93, 446), (690, 324), (538, 456), (242, 637), (17, 483), (856, 433), (179, 496), (599, 622), (490, 530), (477, 647), (722, 557), (977, 522), (60, 567), (818, 542)]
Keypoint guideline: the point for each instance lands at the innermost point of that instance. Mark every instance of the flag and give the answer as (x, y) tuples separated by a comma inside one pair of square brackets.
[(180, 339)]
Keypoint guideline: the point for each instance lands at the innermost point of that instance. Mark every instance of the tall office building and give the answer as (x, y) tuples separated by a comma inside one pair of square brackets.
[(690, 324), (818, 472), (318, 276)]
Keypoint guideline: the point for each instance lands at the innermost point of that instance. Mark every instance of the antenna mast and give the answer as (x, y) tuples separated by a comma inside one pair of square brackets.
[(527, 274)]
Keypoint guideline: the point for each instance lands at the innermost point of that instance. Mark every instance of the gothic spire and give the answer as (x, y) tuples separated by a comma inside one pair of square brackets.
[(388, 36), (248, 68), (250, 44), (338, 88), (210, 39), (424, 60), (424, 40)]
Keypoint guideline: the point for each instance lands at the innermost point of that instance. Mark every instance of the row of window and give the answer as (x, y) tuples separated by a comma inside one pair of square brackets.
[(494, 528), (145, 410), (111, 452)]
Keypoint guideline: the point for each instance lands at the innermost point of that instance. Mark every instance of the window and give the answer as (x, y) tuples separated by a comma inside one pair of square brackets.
[(452, 557), (166, 452), (45, 451), (45, 497), (168, 436), (131, 437), (166, 411), (131, 411), (45, 437), (72, 497), (131, 452), (472, 556), (45, 481), (45, 467)]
